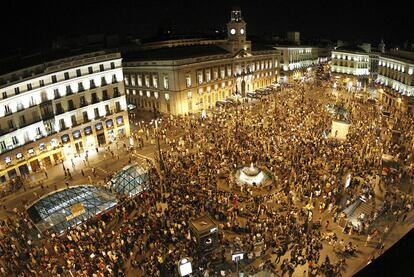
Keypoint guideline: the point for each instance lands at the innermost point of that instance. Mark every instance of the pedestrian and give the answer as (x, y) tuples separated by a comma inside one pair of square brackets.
[(96, 149), (46, 176), (83, 173), (327, 225), (67, 183)]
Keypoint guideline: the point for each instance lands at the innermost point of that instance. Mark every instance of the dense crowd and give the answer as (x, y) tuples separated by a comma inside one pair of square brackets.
[(201, 154)]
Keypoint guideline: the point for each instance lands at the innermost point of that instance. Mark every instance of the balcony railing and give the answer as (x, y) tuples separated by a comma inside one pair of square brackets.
[(71, 108), (83, 104)]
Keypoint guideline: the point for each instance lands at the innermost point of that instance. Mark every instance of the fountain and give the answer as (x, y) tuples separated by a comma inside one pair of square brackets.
[(252, 176)]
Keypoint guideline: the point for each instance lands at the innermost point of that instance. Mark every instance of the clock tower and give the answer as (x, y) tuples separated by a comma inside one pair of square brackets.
[(236, 33), (236, 28)]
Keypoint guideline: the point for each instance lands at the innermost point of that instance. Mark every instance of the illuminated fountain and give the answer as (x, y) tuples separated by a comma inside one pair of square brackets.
[(252, 176)]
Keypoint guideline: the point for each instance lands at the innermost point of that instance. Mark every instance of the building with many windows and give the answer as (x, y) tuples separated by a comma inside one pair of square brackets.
[(356, 66), (59, 109), (351, 66), (190, 77), (395, 75), (293, 59)]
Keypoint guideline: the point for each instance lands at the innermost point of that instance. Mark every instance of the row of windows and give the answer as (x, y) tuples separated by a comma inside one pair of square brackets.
[(57, 94), (394, 67), (145, 80), (54, 78), (77, 134), (349, 58)]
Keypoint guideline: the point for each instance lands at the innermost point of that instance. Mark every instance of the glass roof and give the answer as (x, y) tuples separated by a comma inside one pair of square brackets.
[(68, 207), (130, 180)]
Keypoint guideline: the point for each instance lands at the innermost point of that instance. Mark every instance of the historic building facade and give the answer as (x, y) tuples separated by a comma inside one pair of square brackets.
[(187, 78), (395, 75), (351, 67), (294, 59), (57, 110), (354, 67)]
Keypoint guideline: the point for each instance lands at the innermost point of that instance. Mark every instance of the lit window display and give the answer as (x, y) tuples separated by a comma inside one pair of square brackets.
[(109, 123), (120, 120), (98, 126), (65, 138), (76, 134), (88, 130), (42, 147)]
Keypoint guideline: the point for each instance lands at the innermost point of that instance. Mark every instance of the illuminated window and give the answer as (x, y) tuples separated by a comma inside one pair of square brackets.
[(8, 160), (148, 93), (166, 84), (200, 77), (208, 75), (215, 74), (156, 94), (127, 91), (188, 80), (189, 94), (229, 71), (167, 96), (141, 93), (147, 80), (126, 80), (216, 87), (139, 78), (133, 80), (155, 81), (222, 73), (200, 90)]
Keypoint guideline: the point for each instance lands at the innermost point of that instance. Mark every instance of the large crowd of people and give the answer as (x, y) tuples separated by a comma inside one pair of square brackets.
[(282, 132)]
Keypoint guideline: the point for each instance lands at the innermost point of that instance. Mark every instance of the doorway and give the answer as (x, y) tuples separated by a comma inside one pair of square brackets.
[(79, 147), (101, 139)]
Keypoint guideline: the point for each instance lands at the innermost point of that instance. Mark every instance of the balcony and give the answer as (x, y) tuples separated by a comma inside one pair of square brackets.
[(83, 104), (63, 128), (71, 108), (8, 112), (105, 97), (75, 123), (116, 94)]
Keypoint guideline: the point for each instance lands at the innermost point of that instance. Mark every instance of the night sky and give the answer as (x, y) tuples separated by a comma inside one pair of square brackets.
[(32, 24)]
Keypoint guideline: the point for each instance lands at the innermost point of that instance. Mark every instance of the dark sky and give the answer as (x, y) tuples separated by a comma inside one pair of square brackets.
[(30, 23)]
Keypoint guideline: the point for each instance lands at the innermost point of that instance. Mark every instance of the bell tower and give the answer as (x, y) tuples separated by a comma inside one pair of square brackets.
[(236, 28)]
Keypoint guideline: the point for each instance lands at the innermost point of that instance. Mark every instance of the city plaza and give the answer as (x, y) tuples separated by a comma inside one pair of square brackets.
[(208, 158), (294, 224)]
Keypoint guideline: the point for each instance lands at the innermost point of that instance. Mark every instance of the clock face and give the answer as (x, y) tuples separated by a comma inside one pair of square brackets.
[(242, 31), (232, 31)]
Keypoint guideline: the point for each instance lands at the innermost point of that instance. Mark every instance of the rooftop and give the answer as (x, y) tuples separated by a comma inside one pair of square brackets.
[(175, 53), (351, 48)]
